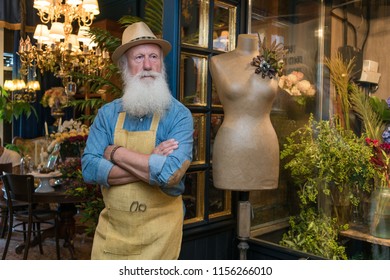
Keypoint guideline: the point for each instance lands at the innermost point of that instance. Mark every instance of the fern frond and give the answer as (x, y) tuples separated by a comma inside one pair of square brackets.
[(372, 122), (128, 20), (104, 39)]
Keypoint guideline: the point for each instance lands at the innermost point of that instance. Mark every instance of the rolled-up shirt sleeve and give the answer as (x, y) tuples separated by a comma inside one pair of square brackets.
[(168, 171), (95, 167), (156, 164)]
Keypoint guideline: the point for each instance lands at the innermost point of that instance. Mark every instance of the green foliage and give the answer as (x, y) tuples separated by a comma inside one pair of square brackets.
[(323, 153), (371, 110), (315, 233), (381, 107), (325, 161), (10, 109), (104, 39), (153, 16)]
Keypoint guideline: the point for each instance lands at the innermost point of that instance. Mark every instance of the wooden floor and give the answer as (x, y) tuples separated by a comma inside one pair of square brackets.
[(82, 248)]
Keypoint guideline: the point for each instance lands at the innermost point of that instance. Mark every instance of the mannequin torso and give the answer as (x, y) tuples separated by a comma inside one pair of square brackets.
[(246, 149)]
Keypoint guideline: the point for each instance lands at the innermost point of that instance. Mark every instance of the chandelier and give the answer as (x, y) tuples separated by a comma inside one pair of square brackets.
[(57, 49), (20, 91)]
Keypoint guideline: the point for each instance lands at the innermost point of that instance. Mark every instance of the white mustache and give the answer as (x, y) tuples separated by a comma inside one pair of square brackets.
[(147, 74)]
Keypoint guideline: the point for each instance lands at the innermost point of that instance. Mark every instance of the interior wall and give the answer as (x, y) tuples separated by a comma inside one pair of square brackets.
[(378, 39), (376, 25)]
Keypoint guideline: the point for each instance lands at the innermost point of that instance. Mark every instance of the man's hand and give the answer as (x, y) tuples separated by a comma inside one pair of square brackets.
[(166, 148)]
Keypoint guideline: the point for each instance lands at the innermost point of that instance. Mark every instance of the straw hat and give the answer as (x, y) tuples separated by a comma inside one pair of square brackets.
[(136, 34)]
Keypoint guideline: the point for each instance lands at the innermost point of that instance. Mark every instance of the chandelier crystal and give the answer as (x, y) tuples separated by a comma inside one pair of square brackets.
[(59, 51)]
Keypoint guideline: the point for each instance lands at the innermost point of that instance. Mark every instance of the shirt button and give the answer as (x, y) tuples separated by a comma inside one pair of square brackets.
[(141, 119)]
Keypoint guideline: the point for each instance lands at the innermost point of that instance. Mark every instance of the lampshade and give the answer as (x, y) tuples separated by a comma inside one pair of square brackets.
[(42, 3), (91, 6), (41, 33), (49, 41), (34, 85), (57, 31), (74, 2), (83, 35), (18, 84), (8, 85)]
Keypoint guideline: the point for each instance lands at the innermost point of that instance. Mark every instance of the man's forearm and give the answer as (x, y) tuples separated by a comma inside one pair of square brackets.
[(131, 165), (119, 176), (135, 163)]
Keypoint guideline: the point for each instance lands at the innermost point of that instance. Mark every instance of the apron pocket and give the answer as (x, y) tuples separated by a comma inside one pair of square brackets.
[(124, 234)]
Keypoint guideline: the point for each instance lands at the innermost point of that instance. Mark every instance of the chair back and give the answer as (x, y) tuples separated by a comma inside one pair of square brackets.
[(5, 168), (19, 187)]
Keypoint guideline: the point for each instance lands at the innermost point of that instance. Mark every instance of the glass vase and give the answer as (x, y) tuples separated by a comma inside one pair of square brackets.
[(380, 213)]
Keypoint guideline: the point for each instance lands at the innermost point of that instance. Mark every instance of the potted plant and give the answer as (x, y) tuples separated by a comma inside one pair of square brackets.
[(325, 159), (330, 165)]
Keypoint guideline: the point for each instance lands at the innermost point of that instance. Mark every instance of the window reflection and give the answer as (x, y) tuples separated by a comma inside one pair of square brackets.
[(224, 23), (195, 22), (193, 79), (294, 25), (193, 196)]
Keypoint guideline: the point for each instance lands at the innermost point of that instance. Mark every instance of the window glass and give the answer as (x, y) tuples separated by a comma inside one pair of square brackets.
[(296, 25)]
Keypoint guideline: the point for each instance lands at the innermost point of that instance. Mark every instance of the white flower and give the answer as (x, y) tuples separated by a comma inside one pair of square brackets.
[(294, 84), (306, 88)]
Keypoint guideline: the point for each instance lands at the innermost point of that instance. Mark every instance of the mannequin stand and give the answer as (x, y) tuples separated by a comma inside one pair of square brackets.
[(244, 223)]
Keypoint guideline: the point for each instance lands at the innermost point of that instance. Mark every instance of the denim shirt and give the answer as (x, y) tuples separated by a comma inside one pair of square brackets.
[(177, 123)]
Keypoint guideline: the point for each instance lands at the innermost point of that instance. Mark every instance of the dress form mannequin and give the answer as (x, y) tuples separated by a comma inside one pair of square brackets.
[(246, 149)]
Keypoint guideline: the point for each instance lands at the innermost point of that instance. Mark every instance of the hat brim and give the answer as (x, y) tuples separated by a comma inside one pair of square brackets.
[(165, 46)]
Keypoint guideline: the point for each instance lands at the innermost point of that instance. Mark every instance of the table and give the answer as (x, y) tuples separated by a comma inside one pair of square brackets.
[(361, 232), (44, 185), (67, 209)]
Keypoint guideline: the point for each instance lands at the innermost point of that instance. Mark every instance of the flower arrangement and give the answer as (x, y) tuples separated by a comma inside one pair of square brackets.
[(72, 136), (54, 97), (269, 62), (381, 160), (295, 85)]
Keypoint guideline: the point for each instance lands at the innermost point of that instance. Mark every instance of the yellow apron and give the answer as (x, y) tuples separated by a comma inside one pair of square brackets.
[(139, 221)]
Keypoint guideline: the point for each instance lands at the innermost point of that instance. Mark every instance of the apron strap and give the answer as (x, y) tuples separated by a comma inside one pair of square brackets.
[(120, 121), (155, 121)]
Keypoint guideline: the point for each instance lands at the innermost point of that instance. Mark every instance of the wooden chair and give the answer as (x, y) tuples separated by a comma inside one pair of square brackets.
[(21, 188), (7, 168)]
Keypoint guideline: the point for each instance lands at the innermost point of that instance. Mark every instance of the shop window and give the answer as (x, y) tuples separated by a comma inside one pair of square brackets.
[(296, 25), (207, 28)]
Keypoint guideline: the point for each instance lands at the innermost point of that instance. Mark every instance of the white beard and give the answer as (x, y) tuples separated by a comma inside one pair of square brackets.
[(145, 96)]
